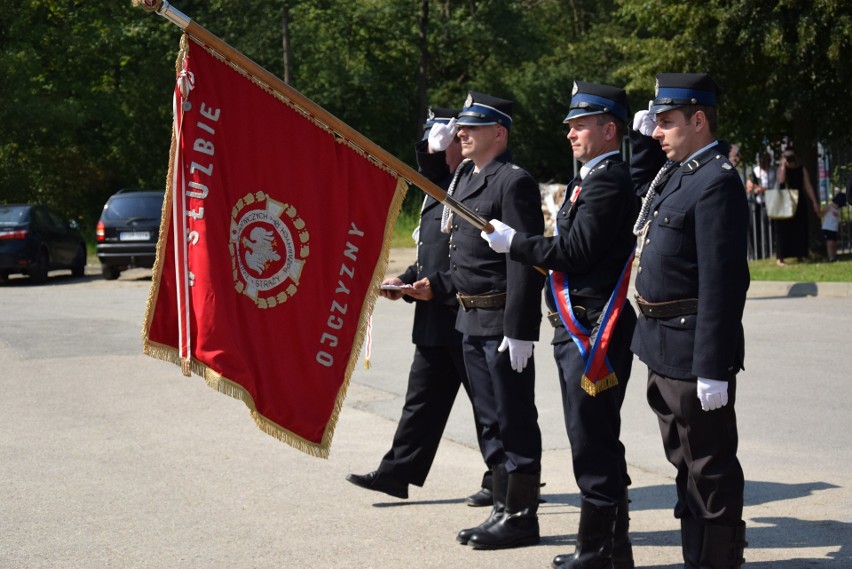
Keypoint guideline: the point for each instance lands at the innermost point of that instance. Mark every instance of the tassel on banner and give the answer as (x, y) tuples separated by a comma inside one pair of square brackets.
[(368, 349)]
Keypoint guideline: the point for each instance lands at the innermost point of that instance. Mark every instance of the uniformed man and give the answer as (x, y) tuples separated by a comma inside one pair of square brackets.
[(692, 281), (589, 259), (438, 367), (499, 318)]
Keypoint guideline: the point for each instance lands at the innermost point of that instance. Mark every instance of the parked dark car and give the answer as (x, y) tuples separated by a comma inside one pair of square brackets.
[(128, 230), (35, 240)]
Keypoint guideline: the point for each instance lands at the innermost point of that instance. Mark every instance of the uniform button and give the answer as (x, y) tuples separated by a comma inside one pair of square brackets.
[(420, 244), (666, 220), (455, 247), (647, 241), (682, 321), (455, 268), (656, 213), (640, 269)]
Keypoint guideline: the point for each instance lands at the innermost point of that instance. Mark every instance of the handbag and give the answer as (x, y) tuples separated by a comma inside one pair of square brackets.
[(781, 203)]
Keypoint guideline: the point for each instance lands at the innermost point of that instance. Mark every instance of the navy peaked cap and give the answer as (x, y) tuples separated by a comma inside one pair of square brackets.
[(482, 109), (674, 90), (595, 99)]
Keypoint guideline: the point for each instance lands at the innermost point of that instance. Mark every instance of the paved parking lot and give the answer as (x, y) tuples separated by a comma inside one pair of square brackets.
[(109, 458)]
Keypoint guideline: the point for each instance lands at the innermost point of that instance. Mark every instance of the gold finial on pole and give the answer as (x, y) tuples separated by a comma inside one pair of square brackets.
[(148, 5), (164, 9)]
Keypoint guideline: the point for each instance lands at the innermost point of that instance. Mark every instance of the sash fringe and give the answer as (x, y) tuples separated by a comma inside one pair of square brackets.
[(592, 388)]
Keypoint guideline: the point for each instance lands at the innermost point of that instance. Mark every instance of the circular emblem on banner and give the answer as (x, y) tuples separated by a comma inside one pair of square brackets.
[(268, 244)]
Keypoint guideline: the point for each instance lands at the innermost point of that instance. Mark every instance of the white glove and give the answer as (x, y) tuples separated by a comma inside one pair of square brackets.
[(501, 238), (712, 393), (644, 122), (519, 352), (441, 135)]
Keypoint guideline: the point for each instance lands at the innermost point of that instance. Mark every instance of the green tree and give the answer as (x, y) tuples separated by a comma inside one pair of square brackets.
[(83, 110), (783, 64)]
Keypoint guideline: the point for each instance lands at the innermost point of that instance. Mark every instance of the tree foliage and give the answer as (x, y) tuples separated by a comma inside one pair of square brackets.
[(87, 87)]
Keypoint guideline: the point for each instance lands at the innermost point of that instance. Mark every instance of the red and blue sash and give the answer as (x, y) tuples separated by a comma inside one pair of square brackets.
[(598, 374)]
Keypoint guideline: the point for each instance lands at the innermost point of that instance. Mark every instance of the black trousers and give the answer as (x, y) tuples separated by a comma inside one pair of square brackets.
[(433, 382), (702, 445), (594, 423), (504, 401)]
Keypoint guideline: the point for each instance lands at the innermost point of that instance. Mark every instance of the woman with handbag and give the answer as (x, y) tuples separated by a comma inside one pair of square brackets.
[(792, 234)]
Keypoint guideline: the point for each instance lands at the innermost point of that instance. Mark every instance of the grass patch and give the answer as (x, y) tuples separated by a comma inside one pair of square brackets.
[(408, 219), (809, 270)]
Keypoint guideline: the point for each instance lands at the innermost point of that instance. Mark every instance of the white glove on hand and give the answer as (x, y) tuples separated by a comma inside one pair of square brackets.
[(645, 122), (501, 238), (712, 393), (519, 352), (441, 135)]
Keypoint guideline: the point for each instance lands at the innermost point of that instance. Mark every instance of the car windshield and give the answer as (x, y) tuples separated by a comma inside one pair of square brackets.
[(133, 207), (11, 216)]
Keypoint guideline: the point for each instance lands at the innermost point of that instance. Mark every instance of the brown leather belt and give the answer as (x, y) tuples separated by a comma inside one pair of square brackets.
[(556, 321), (487, 300), (667, 309)]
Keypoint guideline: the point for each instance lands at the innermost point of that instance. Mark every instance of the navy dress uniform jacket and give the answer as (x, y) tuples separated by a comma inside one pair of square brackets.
[(506, 192), (696, 247), (595, 238), (434, 320)]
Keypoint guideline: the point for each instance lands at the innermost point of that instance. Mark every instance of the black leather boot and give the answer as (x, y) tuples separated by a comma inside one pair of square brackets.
[(484, 496), (594, 539), (691, 540), (499, 488), (622, 549), (519, 524), (723, 547)]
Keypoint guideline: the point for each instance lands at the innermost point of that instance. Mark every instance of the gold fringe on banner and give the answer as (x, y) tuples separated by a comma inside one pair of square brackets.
[(211, 377)]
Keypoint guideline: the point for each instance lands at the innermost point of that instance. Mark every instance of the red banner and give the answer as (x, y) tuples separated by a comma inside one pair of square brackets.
[(273, 242)]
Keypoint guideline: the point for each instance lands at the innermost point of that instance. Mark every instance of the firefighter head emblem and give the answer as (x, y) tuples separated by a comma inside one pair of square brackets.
[(268, 245)]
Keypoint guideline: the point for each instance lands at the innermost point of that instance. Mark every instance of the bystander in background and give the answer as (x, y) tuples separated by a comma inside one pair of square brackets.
[(830, 224)]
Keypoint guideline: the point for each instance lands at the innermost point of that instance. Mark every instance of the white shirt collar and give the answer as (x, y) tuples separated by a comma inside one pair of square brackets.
[(587, 167), (694, 154)]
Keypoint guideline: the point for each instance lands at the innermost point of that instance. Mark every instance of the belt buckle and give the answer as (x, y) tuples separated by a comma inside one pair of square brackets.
[(461, 301)]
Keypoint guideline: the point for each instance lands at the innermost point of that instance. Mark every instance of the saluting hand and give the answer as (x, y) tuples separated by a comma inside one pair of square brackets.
[(500, 240), (441, 135), (645, 122)]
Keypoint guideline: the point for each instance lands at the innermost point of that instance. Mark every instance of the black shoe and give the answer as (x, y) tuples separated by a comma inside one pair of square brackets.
[(380, 483), (480, 499)]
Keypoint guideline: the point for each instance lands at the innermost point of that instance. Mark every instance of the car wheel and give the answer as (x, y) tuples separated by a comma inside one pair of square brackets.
[(38, 272), (110, 273), (78, 269)]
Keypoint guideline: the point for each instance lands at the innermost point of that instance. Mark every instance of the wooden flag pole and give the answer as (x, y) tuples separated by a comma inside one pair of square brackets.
[(374, 151)]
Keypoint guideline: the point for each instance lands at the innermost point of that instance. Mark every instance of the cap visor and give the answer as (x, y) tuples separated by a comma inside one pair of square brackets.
[(577, 113), (656, 109)]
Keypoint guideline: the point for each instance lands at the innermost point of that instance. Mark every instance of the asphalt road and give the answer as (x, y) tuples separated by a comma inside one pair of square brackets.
[(109, 458)]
